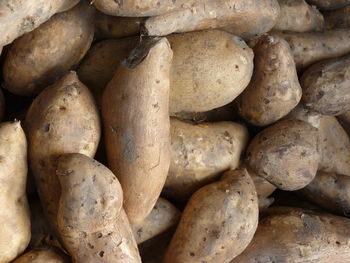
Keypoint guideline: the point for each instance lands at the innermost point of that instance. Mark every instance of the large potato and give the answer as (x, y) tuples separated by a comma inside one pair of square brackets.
[(297, 235), (285, 154), (43, 255), (14, 214), (274, 89), (339, 18), (329, 4), (326, 86), (62, 119), (40, 57), (218, 223), (200, 153), (196, 84), (135, 108)]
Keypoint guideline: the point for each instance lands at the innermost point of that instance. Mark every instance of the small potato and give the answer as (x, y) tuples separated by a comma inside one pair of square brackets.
[(40, 57), (298, 235), (311, 47), (218, 223), (326, 86), (43, 255), (264, 189), (329, 4), (285, 154), (62, 119), (274, 89), (298, 16), (91, 220), (339, 18), (196, 84), (162, 217), (14, 213), (200, 153)]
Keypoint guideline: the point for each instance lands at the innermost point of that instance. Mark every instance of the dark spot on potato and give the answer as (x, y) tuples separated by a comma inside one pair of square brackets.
[(101, 253), (91, 246), (99, 235), (47, 127), (192, 254)]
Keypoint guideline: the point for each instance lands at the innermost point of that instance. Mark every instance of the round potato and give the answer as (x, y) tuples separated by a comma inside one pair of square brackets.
[(196, 84), (43, 255), (285, 154), (218, 223)]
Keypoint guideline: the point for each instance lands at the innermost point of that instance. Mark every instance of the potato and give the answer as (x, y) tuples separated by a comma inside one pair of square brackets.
[(329, 4), (116, 27), (274, 89), (264, 189), (91, 220), (311, 47), (62, 119), (195, 84), (14, 215), (218, 223), (68, 5), (344, 120), (297, 235), (285, 154), (244, 18), (43, 255), (326, 86), (339, 18), (22, 16), (100, 63), (162, 217), (135, 109), (298, 16), (40, 57), (200, 153)]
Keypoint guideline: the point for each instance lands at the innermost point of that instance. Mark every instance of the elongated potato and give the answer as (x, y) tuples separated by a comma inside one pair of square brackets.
[(196, 85), (43, 255), (62, 119), (274, 89), (311, 47), (285, 154), (40, 57), (329, 4), (101, 62), (297, 235), (326, 86), (244, 18), (298, 16), (200, 153), (339, 18), (218, 223), (162, 217), (14, 215), (135, 109), (91, 220)]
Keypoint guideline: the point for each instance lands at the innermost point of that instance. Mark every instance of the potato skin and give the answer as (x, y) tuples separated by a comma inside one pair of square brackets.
[(14, 215), (62, 119), (298, 235), (68, 5), (329, 4), (195, 84), (311, 47), (298, 16), (43, 255), (326, 86), (285, 154), (40, 57), (339, 18), (200, 153), (135, 109), (274, 89), (218, 223), (344, 120)]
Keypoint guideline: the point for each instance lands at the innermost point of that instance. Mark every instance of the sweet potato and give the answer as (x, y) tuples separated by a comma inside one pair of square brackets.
[(339, 18), (274, 89), (135, 108), (200, 153), (40, 57), (43, 255), (196, 84), (14, 215), (218, 223), (329, 4), (62, 119), (91, 220), (285, 154)]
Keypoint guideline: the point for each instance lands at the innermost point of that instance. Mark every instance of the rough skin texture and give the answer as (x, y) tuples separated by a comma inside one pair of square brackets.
[(339, 18), (274, 89), (91, 220), (196, 85), (200, 153), (135, 108), (218, 223), (329, 4), (14, 213), (62, 119), (285, 154), (43, 255), (44, 55)]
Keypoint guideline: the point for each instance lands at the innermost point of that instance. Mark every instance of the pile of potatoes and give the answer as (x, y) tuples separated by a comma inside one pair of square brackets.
[(173, 131)]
